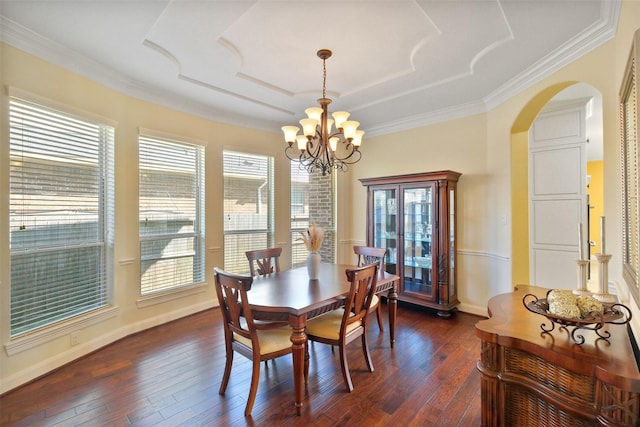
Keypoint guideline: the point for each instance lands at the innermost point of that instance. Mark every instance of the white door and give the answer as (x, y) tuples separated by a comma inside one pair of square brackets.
[(557, 194)]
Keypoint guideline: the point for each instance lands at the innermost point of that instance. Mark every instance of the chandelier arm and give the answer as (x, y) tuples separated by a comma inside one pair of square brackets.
[(340, 166), (314, 147), (352, 153), (286, 153), (328, 155)]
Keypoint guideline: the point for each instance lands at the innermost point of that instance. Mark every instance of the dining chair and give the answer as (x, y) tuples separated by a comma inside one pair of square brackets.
[(263, 261), (370, 255), (256, 341), (342, 326)]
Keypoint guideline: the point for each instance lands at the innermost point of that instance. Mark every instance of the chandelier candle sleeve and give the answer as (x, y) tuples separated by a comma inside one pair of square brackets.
[(318, 148)]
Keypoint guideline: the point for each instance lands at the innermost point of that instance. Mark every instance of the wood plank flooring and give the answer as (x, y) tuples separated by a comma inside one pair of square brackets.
[(169, 376)]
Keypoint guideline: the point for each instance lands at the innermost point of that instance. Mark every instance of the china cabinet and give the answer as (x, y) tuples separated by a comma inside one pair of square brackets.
[(414, 217)]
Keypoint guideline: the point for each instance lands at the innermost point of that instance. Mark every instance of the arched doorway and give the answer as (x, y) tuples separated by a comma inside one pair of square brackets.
[(520, 197)]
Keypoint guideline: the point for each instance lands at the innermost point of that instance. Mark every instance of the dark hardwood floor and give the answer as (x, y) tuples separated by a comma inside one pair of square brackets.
[(169, 376)]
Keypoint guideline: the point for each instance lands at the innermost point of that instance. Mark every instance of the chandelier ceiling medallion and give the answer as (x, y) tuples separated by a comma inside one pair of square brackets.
[(318, 149)]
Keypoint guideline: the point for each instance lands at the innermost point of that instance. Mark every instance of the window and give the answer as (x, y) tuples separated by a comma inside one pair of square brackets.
[(248, 207), (630, 155), (312, 200), (61, 215), (171, 197)]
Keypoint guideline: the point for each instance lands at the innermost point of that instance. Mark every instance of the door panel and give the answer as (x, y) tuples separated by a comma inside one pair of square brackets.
[(557, 195), (385, 225), (557, 216), (418, 217)]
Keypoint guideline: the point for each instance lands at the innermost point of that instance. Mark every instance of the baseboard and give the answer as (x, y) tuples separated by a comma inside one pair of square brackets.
[(75, 352), (473, 309)]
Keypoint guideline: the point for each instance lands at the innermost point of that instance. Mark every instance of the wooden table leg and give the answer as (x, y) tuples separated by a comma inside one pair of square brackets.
[(299, 340), (393, 310)]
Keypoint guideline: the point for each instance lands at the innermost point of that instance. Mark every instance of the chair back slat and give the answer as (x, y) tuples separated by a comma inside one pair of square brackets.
[(241, 332), (232, 296), (363, 286), (370, 255), (264, 261)]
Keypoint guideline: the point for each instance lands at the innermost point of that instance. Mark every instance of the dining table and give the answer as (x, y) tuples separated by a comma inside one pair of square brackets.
[(290, 296)]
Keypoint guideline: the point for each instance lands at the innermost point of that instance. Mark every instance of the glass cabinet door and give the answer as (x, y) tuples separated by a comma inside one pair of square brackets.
[(414, 217), (418, 219), (385, 225)]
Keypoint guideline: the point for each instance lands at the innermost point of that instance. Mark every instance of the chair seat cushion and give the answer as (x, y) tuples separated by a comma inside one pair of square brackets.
[(271, 340), (328, 325), (374, 301)]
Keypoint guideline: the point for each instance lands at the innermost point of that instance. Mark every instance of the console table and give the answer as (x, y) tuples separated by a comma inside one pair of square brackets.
[(534, 378)]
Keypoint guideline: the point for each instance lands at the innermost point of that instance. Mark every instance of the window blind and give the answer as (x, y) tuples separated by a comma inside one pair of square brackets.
[(299, 213), (171, 198), (631, 185), (61, 214), (248, 207)]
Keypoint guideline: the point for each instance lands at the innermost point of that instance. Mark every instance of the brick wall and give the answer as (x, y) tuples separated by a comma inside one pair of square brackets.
[(321, 210)]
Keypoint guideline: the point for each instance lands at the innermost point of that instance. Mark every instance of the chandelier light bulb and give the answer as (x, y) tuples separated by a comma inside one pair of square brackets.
[(302, 142), (357, 140), (349, 129), (290, 133), (340, 117), (329, 126), (309, 127), (314, 113), (333, 143)]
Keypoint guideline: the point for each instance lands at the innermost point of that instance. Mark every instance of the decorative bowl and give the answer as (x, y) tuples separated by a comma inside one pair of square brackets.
[(617, 314)]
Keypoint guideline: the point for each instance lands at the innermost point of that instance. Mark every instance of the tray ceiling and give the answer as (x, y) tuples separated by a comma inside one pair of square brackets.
[(396, 64)]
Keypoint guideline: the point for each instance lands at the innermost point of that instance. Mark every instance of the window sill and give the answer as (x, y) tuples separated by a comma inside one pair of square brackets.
[(65, 327), (170, 295)]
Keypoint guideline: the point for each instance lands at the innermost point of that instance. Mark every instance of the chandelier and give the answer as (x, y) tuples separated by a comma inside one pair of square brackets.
[(317, 148)]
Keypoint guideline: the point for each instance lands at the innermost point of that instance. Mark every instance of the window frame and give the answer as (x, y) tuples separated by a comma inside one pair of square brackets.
[(630, 159), (61, 115), (235, 260), (162, 294)]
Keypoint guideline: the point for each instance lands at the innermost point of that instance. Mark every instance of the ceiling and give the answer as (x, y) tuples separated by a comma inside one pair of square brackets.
[(396, 64)]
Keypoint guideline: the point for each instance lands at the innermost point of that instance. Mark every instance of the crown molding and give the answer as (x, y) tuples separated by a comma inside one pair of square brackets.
[(421, 120), (41, 47), (594, 36), (28, 41)]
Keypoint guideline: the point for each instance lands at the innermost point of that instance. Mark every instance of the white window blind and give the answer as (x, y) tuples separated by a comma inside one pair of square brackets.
[(248, 207), (299, 213), (61, 215), (171, 197)]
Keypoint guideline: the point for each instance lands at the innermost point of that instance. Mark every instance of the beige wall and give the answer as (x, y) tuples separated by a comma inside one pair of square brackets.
[(480, 147), (490, 151), (27, 73)]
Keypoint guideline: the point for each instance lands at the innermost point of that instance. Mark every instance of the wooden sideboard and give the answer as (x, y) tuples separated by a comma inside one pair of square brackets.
[(534, 378)]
